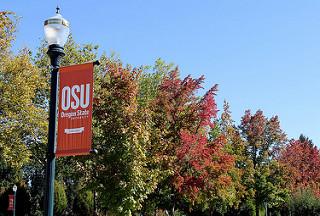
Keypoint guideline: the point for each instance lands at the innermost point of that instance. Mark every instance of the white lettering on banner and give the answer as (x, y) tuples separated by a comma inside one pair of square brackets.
[(68, 93), (79, 114), (75, 103), (65, 100), (82, 103)]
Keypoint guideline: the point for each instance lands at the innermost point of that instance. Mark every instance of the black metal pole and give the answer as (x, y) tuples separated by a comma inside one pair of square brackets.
[(55, 53), (14, 202)]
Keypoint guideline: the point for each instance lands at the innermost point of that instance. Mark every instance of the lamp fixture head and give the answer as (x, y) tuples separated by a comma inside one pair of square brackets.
[(56, 29), (14, 188)]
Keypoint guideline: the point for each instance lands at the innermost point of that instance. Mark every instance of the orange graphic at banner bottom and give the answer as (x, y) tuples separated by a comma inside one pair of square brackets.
[(75, 110)]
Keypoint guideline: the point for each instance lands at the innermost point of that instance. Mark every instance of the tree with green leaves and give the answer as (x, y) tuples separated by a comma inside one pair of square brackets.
[(243, 171), (122, 137), (263, 141), (21, 121), (150, 81)]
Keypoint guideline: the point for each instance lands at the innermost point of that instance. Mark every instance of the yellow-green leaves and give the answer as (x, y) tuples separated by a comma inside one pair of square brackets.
[(20, 119), (7, 29)]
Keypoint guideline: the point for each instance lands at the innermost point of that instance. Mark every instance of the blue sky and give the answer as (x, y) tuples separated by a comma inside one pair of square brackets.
[(263, 54)]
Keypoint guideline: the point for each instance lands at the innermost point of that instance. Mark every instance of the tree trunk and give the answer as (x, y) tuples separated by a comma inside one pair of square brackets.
[(257, 209)]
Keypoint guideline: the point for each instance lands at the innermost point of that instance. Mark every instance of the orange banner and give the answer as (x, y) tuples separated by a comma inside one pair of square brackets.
[(75, 110)]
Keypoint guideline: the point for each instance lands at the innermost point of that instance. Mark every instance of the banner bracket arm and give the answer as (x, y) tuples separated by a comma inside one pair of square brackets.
[(96, 62)]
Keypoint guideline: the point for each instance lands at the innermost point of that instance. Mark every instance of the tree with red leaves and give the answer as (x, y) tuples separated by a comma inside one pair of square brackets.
[(264, 139), (195, 168), (302, 161), (203, 164)]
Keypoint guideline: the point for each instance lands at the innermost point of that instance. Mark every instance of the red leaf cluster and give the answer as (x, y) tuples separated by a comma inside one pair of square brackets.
[(208, 108), (302, 160), (202, 164), (185, 119)]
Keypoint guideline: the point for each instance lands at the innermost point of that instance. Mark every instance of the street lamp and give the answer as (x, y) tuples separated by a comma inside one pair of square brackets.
[(14, 188), (56, 30)]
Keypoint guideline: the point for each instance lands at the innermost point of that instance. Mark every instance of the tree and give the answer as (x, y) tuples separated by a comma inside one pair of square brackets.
[(21, 121), (301, 158), (264, 139), (303, 201), (192, 172), (243, 172), (174, 108), (121, 137), (203, 163)]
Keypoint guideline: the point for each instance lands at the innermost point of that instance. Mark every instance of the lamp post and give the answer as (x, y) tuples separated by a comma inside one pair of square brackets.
[(14, 188), (56, 31)]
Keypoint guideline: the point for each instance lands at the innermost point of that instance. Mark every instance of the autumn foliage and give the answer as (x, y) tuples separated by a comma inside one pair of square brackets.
[(202, 164), (302, 162), (161, 147)]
